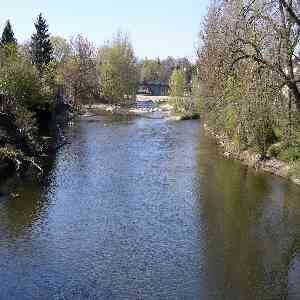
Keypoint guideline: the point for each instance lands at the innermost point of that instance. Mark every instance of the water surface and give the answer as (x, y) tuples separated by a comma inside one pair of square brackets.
[(148, 209)]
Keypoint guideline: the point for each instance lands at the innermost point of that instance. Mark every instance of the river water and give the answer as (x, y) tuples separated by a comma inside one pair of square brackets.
[(148, 209)]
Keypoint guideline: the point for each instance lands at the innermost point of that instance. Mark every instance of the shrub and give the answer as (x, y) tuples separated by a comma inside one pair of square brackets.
[(274, 150), (291, 153), (230, 121)]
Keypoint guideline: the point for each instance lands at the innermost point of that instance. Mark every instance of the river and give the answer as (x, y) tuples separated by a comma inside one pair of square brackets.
[(148, 209)]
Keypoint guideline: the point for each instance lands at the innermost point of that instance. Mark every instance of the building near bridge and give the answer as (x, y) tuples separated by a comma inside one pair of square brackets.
[(153, 88)]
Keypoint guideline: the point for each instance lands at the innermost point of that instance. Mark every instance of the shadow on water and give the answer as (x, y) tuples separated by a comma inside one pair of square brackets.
[(252, 234), (23, 204)]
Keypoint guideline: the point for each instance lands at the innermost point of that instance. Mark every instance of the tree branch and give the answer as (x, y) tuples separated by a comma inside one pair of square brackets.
[(290, 10)]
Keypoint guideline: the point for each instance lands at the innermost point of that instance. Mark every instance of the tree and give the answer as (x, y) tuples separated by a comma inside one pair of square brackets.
[(21, 83), (61, 49), (156, 69), (177, 83), (77, 69), (117, 69), (23, 95), (41, 47), (151, 70), (273, 26), (167, 67), (247, 54), (8, 36), (182, 104), (185, 65)]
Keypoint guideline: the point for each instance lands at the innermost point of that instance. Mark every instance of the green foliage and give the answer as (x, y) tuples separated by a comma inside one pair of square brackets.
[(8, 36), (17, 158), (48, 81), (12, 155), (20, 82), (278, 133), (61, 49), (286, 150), (196, 90), (263, 134), (177, 83), (295, 171), (8, 50), (25, 120), (157, 69), (234, 90), (230, 121), (275, 149), (117, 69), (151, 70), (291, 153), (181, 102), (291, 149), (41, 47), (110, 87)]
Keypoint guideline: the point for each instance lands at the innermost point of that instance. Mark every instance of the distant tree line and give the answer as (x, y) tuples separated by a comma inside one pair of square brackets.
[(157, 69)]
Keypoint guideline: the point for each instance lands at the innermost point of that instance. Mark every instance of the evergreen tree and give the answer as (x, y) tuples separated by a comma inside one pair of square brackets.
[(41, 47), (8, 36)]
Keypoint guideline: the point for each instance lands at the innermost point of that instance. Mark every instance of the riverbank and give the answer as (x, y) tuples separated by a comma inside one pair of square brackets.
[(24, 147), (253, 160)]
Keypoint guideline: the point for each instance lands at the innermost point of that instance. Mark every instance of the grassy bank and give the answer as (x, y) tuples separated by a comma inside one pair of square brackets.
[(230, 150)]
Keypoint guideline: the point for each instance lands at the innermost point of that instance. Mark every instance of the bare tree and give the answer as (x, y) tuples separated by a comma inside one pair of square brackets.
[(78, 72), (268, 33)]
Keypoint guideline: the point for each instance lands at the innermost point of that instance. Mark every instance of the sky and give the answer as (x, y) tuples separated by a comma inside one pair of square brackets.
[(157, 28)]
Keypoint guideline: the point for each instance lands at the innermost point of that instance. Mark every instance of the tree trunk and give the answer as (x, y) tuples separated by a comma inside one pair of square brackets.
[(296, 93)]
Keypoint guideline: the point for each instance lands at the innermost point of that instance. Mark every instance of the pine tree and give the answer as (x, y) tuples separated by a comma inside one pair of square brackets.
[(41, 47), (8, 36)]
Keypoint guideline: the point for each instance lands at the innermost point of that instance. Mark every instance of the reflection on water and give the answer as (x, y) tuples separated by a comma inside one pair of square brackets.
[(253, 230), (148, 209)]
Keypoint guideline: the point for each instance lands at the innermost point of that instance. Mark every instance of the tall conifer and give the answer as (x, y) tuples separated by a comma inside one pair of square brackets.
[(41, 47), (8, 36)]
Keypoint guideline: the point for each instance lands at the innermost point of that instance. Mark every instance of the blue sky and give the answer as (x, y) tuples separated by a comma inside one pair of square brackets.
[(157, 28)]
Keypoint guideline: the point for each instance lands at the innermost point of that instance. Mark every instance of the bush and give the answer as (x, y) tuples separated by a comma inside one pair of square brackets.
[(230, 121), (20, 81), (278, 134), (274, 150), (291, 153), (295, 171), (184, 105)]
